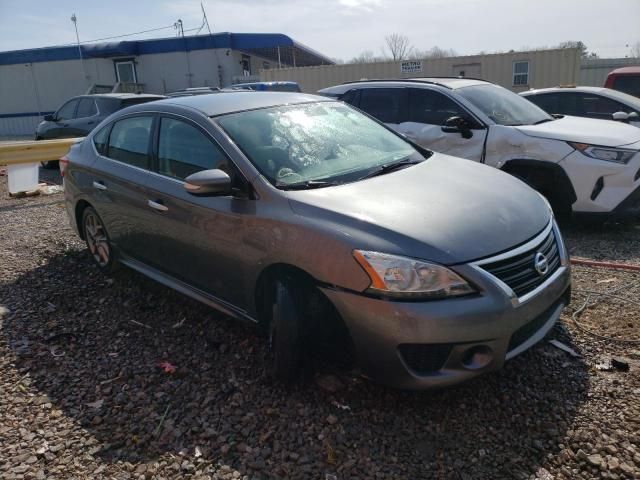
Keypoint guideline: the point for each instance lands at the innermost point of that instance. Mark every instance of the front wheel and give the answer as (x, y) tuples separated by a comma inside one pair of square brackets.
[(285, 333), (97, 239)]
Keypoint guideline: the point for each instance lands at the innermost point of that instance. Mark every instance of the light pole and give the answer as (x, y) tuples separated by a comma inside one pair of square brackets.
[(74, 19)]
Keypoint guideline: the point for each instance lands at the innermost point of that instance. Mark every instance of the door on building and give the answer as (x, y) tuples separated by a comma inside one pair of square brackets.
[(246, 65), (126, 71), (471, 70)]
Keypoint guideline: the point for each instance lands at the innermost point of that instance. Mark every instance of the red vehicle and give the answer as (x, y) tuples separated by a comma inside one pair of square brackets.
[(625, 79)]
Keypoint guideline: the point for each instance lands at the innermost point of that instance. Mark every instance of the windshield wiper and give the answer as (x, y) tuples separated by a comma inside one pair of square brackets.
[(544, 120), (390, 167), (306, 185)]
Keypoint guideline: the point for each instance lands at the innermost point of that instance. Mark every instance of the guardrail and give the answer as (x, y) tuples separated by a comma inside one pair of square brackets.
[(14, 153)]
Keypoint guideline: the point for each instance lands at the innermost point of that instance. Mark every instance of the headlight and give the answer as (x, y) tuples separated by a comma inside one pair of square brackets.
[(617, 155), (404, 277)]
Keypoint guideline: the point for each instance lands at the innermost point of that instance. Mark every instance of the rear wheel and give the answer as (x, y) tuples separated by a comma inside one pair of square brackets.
[(97, 239)]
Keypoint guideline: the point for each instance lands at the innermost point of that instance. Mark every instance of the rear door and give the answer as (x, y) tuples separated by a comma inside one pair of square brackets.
[(427, 113), (85, 119), (196, 239), (120, 178)]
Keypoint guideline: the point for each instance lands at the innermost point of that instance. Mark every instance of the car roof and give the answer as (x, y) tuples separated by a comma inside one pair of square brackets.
[(124, 96), (626, 70), (451, 83), (283, 82), (568, 88), (225, 102)]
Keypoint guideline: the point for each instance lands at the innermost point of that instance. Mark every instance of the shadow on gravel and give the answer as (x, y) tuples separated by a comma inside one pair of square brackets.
[(91, 345)]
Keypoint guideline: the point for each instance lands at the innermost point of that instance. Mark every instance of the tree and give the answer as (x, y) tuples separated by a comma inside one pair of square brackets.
[(433, 52), (398, 46), (365, 57), (584, 52)]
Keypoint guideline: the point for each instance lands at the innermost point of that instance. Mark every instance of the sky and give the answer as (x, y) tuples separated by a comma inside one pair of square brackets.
[(338, 28)]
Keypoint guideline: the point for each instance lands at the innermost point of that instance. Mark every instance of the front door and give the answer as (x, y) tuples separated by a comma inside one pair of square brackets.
[(195, 239), (427, 112), (63, 118)]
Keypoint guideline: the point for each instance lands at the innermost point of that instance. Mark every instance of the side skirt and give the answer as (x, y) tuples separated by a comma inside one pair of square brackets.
[(188, 290)]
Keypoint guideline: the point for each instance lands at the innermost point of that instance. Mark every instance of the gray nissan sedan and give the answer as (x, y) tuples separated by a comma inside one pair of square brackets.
[(322, 226)]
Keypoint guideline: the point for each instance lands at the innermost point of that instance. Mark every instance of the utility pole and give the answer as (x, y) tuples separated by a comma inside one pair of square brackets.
[(180, 28), (74, 19)]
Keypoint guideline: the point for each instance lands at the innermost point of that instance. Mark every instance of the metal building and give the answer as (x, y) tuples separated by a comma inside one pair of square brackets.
[(37, 81), (515, 70), (594, 71)]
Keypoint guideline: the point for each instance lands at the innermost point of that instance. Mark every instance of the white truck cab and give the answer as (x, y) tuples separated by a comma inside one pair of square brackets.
[(581, 165)]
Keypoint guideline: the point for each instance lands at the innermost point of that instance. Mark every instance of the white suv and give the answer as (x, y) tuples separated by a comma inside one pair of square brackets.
[(581, 165)]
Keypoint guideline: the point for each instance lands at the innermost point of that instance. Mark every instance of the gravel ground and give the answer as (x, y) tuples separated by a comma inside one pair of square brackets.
[(82, 395)]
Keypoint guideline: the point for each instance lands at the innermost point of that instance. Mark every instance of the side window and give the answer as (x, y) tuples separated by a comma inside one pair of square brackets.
[(86, 108), (547, 101), (351, 97), (129, 141), (385, 104), (67, 111), (570, 104), (428, 106), (100, 139), (600, 107), (183, 149)]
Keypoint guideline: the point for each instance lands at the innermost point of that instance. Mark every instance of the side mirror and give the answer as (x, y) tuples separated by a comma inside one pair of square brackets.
[(208, 182), (49, 118), (458, 125), (620, 116)]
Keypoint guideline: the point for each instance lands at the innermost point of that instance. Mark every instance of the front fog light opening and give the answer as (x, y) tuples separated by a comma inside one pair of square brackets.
[(477, 357)]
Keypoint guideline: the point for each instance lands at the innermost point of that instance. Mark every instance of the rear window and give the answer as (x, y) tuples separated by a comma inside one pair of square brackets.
[(100, 139), (127, 102), (129, 141), (628, 84)]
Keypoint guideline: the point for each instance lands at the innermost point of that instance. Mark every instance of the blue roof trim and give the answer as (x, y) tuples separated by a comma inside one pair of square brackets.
[(25, 114), (234, 41)]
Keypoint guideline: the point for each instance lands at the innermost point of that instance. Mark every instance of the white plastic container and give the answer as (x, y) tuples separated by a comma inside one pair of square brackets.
[(22, 177)]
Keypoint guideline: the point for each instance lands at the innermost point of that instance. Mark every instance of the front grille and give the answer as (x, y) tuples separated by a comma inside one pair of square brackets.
[(425, 358), (519, 272), (528, 329)]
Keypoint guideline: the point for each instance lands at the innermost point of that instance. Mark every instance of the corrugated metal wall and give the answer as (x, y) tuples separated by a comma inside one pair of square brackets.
[(593, 72), (547, 68)]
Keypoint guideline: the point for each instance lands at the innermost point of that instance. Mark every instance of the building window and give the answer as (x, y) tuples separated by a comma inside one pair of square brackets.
[(521, 73), (126, 71)]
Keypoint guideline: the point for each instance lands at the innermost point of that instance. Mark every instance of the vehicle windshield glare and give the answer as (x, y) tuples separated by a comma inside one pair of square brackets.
[(310, 142), (503, 106)]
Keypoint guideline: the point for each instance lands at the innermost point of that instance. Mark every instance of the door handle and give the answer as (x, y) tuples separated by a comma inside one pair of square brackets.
[(157, 206), (91, 122), (99, 186), (65, 124)]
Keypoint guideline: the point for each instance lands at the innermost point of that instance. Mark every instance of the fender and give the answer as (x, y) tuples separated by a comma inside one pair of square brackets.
[(531, 167)]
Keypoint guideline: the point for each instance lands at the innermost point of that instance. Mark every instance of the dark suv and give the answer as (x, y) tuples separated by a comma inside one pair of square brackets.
[(78, 116)]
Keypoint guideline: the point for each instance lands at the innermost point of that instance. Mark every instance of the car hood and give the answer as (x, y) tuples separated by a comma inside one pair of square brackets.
[(606, 133), (446, 210)]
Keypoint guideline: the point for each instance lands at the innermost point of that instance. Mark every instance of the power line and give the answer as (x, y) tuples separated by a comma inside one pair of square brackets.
[(127, 34)]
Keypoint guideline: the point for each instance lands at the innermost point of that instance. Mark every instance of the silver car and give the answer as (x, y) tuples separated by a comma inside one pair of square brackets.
[(322, 226)]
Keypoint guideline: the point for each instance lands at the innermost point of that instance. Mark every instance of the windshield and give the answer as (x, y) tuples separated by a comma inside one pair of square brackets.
[(503, 106), (326, 141)]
